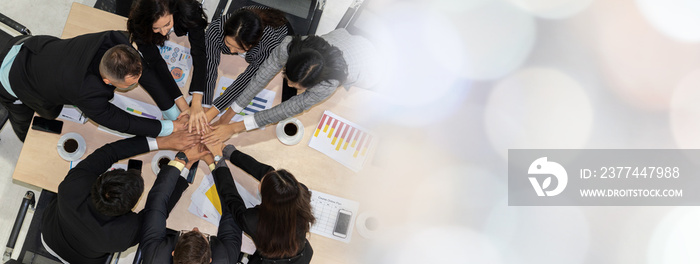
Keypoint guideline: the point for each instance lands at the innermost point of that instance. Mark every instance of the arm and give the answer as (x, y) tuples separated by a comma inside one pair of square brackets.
[(157, 79), (231, 201), (293, 106), (99, 161), (94, 102), (267, 71), (197, 39), (214, 39), (247, 163), (155, 212)]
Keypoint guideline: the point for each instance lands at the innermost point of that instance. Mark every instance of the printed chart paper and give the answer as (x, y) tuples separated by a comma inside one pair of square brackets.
[(325, 208), (342, 140), (260, 102), (134, 107), (179, 61)]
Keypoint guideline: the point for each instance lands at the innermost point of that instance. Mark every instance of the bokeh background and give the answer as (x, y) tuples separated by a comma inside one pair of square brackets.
[(469, 79)]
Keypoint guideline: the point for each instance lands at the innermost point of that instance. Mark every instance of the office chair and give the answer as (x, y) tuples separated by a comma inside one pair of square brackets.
[(32, 251), (15, 29), (303, 15), (119, 7)]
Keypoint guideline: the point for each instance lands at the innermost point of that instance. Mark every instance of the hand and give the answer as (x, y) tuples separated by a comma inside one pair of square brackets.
[(195, 153), (198, 119), (216, 148), (181, 123), (221, 133), (178, 141), (225, 118), (209, 159), (184, 112)]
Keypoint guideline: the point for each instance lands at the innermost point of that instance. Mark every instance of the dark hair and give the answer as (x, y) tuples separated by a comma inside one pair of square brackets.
[(192, 248), (116, 192), (246, 25), (284, 215), (314, 60), (186, 13), (120, 61)]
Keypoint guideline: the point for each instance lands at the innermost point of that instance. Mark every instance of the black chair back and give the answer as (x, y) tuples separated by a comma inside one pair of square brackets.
[(303, 15)]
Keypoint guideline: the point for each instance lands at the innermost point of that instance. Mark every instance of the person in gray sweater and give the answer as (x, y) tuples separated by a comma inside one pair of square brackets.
[(314, 65)]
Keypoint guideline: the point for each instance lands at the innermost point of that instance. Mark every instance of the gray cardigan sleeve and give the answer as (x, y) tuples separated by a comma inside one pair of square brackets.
[(296, 104), (269, 68)]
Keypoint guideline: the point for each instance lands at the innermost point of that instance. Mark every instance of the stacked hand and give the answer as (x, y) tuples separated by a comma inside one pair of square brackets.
[(198, 119), (221, 133), (195, 153), (181, 123), (178, 141)]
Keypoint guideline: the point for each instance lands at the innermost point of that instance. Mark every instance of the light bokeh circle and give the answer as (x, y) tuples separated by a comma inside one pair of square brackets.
[(637, 61), (416, 77), (497, 39), (538, 108), (685, 112), (542, 235), (552, 9), (678, 19), (445, 244), (676, 239)]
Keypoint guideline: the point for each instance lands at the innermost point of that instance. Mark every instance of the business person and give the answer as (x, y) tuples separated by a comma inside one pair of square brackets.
[(150, 24), (279, 225), (315, 65), (91, 216), (162, 245), (42, 73), (253, 32)]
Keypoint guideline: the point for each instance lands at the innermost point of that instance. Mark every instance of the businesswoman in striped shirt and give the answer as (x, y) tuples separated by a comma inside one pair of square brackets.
[(314, 65), (252, 32), (150, 23)]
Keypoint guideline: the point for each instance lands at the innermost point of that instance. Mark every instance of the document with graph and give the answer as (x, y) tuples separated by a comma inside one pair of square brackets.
[(260, 102), (179, 61), (342, 140), (134, 107)]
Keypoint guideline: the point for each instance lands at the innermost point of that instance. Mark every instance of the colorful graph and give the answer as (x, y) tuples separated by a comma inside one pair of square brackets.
[(179, 61), (342, 140), (261, 101), (137, 112)]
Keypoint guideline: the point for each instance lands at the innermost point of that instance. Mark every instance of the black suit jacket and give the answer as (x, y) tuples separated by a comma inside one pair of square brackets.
[(49, 72), (73, 228), (158, 242)]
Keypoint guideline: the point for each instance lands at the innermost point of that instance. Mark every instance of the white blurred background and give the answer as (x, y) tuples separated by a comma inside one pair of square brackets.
[(471, 79)]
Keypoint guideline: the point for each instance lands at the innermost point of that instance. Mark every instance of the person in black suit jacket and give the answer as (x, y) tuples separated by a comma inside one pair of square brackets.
[(279, 225), (91, 216), (42, 73), (162, 245)]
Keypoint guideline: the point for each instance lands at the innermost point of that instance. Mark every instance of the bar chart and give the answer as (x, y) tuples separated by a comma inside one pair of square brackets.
[(342, 140)]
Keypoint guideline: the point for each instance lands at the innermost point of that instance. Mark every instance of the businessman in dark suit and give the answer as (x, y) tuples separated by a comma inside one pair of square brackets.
[(162, 245), (91, 216), (42, 73)]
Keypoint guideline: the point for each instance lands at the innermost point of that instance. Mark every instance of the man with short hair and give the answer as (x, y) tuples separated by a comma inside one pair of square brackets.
[(162, 245), (42, 73), (91, 216)]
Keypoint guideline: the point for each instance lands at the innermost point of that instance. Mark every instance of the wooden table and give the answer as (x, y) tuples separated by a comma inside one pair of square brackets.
[(40, 165)]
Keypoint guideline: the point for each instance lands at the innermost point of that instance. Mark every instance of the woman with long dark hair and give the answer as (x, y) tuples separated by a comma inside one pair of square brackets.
[(252, 32), (150, 24), (279, 225), (315, 65)]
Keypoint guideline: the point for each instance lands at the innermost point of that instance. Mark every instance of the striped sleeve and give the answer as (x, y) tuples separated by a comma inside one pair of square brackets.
[(214, 44), (272, 37)]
